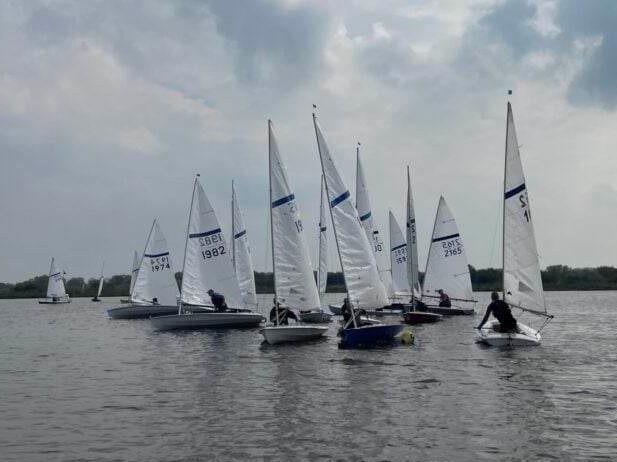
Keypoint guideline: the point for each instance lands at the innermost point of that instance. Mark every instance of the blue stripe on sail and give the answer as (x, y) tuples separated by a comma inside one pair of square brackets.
[(514, 191), (323, 228), (445, 238), (398, 247), (283, 200), (240, 234), (154, 255), (365, 216), (207, 233), (55, 274), (339, 199)]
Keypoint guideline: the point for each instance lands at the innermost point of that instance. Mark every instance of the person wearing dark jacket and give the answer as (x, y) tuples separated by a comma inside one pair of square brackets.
[(218, 300), (501, 311), (444, 299)]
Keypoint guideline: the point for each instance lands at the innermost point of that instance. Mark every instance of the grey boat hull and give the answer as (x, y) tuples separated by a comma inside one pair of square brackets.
[(205, 320), (141, 311)]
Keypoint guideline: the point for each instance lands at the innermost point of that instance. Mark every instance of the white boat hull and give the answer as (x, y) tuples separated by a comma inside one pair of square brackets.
[(205, 320), (50, 301), (293, 333), (526, 336)]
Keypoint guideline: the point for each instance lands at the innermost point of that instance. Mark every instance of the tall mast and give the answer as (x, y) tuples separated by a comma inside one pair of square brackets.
[(186, 241), (503, 207), (276, 318), (319, 275)]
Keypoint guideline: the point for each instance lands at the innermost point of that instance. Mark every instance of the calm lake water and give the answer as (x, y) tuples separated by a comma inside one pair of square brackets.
[(75, 385)]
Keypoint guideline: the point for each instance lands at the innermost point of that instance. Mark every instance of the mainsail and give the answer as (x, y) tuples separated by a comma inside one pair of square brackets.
[(446, 266), (207, 258), (293, 273), (522, 281), (398, 258), (241, 254), (155, 278), (55, 283), (134, 271), (322, 270), (101, 279), (412, 243), (364, 285), (363, 205)]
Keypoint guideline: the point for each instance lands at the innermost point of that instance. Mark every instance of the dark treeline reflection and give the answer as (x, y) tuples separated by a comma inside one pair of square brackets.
[(557, 277)]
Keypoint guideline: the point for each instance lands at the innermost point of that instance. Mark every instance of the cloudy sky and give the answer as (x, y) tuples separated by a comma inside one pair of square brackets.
[(108, 108)]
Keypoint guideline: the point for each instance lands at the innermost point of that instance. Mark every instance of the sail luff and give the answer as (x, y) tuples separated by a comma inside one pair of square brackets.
[(134, 270), (412, 244), (243, 264)]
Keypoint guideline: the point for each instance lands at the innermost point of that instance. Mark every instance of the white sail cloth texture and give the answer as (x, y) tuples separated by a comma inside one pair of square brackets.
[(357, 258), (293, 272), (398, 258), (207, 259), (446, 266), (322, 271), (156, 277), (243, 262), (55, 284), (521, 265)]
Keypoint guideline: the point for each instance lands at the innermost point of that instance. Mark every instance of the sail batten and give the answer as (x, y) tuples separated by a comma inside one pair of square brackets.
[(294, 281), (155, 277), (357, 258), (522, 280), (243, 263)]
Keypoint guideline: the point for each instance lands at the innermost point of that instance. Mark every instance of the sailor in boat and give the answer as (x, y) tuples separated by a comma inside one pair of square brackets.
[(218, 300), (418, 304), (155, 301), (444, 299), (501, 311), (346, 311), (280, 315)]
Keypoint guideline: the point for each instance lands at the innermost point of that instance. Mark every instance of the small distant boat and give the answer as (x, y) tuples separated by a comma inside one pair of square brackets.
[(320, 316), (446, 267), (416, 315), (133, 272), (155, 290), (207, 265), (56, 293), (364, 286), (522, 280), (294, 284), (100, 288)]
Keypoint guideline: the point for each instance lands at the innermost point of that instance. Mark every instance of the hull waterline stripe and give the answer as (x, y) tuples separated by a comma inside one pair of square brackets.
[(207, 233), (445, 238), (339, 199), (154, 255), (398, 247), (240, 234), (365, 216), (283, 200), (514, 191)]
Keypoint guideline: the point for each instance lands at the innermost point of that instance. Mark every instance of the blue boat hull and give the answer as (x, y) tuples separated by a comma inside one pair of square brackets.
[(370, 336)]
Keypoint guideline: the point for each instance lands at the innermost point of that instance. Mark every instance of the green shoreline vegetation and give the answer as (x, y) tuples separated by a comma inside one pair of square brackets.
[(556, 277)]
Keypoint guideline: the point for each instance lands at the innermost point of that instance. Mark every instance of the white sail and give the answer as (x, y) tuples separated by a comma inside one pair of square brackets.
[(155, 278), (207, 257), (322, 271), (398, 258), (101, 279), (134, 271), (293, 273), (363, 205), (521, 267), (364, 285), (412, 243), (243, 264), (446, 266), (55, 283)]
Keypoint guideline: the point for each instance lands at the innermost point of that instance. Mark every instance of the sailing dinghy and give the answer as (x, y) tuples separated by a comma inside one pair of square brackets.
[(415, 315), (294, 283), (522, 280), (155, 290), (365, 289), (446, 266), (134, 270), (100, 287), (56, 293), (207, 265)]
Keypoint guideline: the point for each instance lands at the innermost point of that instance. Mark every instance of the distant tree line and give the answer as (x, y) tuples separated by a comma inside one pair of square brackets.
[(556, 277)]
